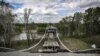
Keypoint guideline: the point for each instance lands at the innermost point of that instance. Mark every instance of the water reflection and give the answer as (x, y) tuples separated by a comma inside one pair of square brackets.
[(23, 36)]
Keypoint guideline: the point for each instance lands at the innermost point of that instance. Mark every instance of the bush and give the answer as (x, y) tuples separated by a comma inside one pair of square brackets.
[(18, 29), (41, 30)]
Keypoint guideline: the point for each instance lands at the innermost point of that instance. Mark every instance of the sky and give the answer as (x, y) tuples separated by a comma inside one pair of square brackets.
[(50, 11)]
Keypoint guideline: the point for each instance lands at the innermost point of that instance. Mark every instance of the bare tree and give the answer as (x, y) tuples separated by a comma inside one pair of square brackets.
[(27, 13)]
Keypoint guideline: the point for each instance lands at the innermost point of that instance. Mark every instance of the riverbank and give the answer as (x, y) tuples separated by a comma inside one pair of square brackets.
[(75, 44)]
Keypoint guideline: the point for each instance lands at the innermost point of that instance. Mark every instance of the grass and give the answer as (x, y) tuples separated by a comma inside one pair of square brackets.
[(22, 44), (92, 40), (75, 44)]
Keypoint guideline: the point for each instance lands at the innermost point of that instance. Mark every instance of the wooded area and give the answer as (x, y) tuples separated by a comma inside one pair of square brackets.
[(80, 25)]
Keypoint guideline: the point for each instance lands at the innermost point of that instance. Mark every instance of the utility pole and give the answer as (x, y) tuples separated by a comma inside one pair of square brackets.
[(27, 13)]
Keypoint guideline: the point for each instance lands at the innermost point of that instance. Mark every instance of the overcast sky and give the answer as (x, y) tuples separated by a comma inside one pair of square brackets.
[(51, 10)]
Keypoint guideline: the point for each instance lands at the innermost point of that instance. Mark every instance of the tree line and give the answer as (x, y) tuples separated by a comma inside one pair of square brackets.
[(81, 24)]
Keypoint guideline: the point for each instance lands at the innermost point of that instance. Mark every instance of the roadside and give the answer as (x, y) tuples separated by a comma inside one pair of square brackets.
[(75, 44)]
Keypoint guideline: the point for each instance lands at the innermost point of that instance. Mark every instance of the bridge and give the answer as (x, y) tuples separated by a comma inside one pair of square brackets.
[(50, 44)]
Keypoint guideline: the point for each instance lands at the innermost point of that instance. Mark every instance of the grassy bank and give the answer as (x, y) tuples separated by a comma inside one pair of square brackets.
[(22, 44), (75, 44), (92, 40)]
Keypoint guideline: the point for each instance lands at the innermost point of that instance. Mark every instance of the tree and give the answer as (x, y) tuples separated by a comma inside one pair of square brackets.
[(66, 26), (92, 21), (78, 16), (6, 20), (27, 13)]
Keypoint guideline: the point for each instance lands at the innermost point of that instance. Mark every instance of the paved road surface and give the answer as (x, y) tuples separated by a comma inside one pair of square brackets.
[(44, 54)]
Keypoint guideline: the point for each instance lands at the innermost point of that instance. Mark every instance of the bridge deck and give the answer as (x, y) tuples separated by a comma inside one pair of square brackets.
[(49, 43)]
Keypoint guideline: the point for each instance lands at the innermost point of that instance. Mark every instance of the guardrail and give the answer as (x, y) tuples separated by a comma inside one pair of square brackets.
[(57, 34), (4, 49), (97, 50)]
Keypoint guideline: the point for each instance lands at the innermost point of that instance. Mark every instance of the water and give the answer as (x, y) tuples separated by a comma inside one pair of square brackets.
[(23, 36)]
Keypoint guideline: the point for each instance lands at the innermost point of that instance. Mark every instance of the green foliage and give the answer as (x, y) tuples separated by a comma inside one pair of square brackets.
[(81, 24), (32, 26), (40, 27), (18, 30), (1, 30), (62, 28), (41, 30), (92, 40), (41, 24), (92, 21), (75, 44)]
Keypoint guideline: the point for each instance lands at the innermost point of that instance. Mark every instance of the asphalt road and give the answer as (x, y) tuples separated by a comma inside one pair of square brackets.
[(45, 54)]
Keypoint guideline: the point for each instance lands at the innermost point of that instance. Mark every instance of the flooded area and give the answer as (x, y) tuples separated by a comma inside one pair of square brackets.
[(22, 36)]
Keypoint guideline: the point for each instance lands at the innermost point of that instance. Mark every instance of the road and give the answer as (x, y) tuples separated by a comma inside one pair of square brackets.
[(20, 53), (45, 54), (39, 45), (49, 37)]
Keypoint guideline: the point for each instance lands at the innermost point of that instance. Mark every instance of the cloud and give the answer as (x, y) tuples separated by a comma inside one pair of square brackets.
[(38, 18), (91, 3), (40, 7), (53, 8)]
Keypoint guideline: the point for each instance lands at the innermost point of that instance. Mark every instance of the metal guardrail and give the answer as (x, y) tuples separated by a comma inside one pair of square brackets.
[(63, 44), (35, 44), (57, 35), (65, 47), (4, 49), (97, 50)]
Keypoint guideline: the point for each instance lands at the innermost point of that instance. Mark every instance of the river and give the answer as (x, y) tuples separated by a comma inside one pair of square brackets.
[(23, 36)]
